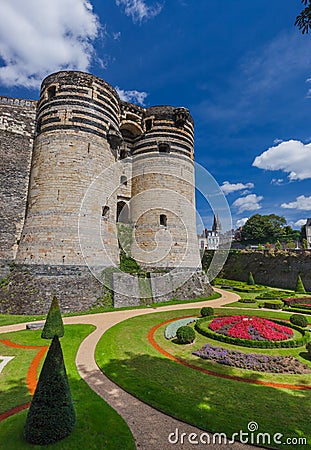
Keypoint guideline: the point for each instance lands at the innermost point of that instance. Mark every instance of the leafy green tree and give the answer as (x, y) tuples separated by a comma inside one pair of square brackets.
[(54, 323), (51, 416), (303, 20), (261, 229), (300, 289)]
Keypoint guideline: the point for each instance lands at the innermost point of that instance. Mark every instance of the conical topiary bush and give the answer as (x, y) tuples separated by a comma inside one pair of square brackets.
[(54, 323), (250, 280), (300, 289), (51, 415)]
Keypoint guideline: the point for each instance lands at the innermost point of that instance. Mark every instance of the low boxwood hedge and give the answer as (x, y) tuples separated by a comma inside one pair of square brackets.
[(299, 310), (201, 327), (275, 304)]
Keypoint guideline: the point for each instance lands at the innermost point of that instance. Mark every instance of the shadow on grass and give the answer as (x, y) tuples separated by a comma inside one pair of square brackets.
[(207, 402)]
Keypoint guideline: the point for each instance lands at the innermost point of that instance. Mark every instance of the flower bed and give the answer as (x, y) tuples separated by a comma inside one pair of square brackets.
[(270, 334), (296, 300), (253, 328), (257, 361)]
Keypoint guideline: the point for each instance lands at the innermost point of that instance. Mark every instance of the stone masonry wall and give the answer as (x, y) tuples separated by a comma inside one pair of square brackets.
[(278, 269), (17, 123)]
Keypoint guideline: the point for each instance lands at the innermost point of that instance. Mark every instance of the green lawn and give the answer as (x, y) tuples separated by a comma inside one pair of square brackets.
[(211, 403), (97, 426)]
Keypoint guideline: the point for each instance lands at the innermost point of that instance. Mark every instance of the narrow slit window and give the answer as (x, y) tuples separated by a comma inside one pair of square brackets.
[(105, 212), (163, 220), (148, 124)]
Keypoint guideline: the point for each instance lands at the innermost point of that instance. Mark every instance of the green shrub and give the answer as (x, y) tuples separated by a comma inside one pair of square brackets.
[(207, 311), (54, 323), (247, 300), (299, 319), (51, 415), (300, 289), (275, 304), (308, 348), (128, 265), (250, 280), (272, 294), (185, 335), (171, 329)]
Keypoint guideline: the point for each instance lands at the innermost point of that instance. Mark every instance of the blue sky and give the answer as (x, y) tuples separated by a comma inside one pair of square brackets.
[(240, 66)]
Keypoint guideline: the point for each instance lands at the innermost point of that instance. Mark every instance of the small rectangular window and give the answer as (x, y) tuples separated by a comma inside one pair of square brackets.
[(105, 212), (164, 147), (148, 124), (163, 220), (51, 92)]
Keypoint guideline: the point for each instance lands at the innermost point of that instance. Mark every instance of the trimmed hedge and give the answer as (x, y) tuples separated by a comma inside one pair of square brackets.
[(201, 327), (207, 311), (54, 323), (171, 329), (299, 310), (296, 300), (276, 304), (247, 300), (185, 335), (51, 416), (299, 319)]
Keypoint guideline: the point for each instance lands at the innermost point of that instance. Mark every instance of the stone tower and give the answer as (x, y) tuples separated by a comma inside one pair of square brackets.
[(77, 115), (163, 203)]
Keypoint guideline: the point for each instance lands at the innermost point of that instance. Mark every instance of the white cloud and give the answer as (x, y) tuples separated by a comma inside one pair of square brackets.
[(227, 187), (138, 10), (299, 223), (302, 203), (277, 181), (241, 222), (291, 156), (132, 96), (38, 37), (248, 203)]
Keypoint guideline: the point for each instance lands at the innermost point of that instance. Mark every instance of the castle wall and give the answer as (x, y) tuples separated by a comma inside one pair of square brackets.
[(69, 186), (17, 123)]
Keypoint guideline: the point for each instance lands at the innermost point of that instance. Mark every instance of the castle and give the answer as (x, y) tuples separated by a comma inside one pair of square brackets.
[(77, 163)]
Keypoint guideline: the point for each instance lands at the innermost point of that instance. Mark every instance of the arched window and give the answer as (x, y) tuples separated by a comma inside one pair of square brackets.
[(122, 212)]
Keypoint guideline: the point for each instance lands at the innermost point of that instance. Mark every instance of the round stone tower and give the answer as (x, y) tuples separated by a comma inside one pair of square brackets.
[(77, 136), (163, 191)]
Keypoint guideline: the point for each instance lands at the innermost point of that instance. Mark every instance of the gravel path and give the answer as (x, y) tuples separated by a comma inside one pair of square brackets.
[(150, 427)]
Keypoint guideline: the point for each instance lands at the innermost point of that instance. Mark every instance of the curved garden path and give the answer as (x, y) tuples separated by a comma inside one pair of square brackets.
[(149, 426)]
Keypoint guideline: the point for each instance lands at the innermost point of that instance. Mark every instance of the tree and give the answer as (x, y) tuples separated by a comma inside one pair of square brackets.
[(54, 323), (300, 289), (261, 229), (303, 20), (51, 416)]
